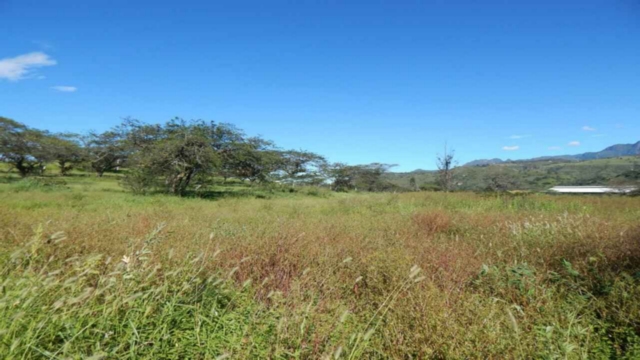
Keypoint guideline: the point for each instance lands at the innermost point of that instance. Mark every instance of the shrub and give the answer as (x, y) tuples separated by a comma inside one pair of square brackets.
[(430, 187), (139, 182)]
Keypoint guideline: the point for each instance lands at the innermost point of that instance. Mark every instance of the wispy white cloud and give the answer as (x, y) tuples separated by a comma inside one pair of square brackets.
[(574, 143), (515, 137), (588, 128), (63, 88), (555, 148), (511, 148), (20, 67), (619, 126)]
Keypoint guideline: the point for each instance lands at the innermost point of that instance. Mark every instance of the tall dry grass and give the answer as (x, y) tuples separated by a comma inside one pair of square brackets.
[(419, 275)]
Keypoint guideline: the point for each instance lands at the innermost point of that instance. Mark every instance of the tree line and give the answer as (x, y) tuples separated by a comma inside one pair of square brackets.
[(177, 156)]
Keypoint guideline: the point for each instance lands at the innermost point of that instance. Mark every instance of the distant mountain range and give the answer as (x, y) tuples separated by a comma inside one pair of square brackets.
[(610, 152), (619, 164)]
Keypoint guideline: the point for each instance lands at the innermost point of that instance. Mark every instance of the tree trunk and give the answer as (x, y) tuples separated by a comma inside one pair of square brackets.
[(63, 167), (175, 184), (22, 169), (185, 181), (188, 179)]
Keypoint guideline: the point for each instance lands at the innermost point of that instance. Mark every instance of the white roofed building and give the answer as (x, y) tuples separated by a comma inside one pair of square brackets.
[(592, 189)]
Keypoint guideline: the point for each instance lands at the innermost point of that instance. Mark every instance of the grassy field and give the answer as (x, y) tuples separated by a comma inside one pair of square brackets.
[(91, 271)]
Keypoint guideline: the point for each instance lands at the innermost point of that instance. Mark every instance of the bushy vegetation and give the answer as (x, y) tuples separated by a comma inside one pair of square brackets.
[(186, 157), (179, 157), (89, 270)]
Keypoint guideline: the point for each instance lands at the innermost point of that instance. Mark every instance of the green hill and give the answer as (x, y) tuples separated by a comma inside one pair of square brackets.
[(530, 175)]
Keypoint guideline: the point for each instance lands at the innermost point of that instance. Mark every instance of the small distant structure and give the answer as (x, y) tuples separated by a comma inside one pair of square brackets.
[(592, 189)]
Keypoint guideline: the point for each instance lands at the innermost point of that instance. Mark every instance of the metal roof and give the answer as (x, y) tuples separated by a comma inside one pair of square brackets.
[(592, 189)]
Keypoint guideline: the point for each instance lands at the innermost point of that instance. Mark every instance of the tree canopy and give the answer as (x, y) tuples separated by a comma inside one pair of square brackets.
[(178, 155)]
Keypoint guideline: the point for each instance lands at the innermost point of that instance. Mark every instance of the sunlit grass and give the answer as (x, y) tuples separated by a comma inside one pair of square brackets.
[(304, 275)]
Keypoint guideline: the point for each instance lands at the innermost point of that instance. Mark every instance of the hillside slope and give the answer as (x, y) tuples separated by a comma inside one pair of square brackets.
[(531, 175)]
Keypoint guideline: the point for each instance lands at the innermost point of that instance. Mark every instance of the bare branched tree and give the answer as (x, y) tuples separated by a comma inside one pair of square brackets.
[(446, 162)]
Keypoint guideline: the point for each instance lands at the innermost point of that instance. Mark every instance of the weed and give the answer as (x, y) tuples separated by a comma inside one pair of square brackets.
[(310, 275)]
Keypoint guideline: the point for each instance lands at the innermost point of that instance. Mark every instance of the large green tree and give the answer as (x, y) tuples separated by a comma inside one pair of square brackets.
[(66, 150), (301, 167), (175, 153), (105, 151), (23, 148), (358, 177), (255, 159)]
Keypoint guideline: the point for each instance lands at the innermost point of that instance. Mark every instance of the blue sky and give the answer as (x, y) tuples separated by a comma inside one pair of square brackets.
[(356, 81)]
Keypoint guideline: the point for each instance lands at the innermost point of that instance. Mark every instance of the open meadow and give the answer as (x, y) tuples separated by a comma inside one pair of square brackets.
[(90, 270), (332, 180)]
